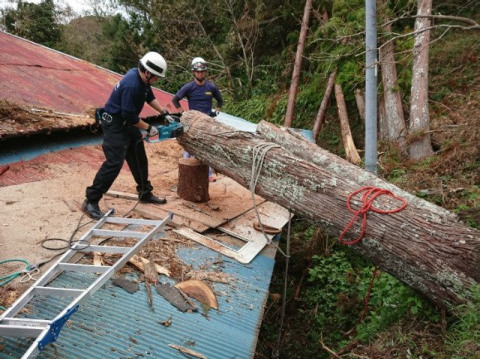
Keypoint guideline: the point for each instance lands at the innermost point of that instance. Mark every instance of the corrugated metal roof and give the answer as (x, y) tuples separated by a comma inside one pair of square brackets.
[(116, 324), (34, 75)]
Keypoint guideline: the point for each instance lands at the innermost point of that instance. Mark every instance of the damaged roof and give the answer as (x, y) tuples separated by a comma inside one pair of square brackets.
[(113, 323), (66, 88)]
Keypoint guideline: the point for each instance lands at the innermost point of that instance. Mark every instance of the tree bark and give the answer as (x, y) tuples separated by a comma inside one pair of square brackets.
[(292, 93), (323, 106), (397, 132), (382, 120), (424, 245), (420, 146), (192, 180), (351, 152), (360, 101)]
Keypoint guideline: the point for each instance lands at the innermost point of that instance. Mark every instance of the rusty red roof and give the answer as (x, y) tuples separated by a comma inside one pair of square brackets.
[(37, 76)]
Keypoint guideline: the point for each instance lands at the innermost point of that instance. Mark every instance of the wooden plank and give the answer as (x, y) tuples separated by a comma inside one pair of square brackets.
[(153, 212), (124, 195), (271, 215)]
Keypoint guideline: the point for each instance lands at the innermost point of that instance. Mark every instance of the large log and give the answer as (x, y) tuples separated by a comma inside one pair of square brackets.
[(424, 245)]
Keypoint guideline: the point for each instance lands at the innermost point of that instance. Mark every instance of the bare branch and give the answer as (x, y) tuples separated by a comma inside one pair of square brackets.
[(467, 20)]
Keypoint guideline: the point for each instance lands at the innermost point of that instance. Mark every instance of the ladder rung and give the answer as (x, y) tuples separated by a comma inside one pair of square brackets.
[(46, 331), (20, 331), (123, 234), (83, 268), (144, 222), (70, 292), (29, 322), (106, 249)]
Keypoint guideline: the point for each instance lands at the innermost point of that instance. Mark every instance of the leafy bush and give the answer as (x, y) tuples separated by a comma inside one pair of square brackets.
[(339, 286)]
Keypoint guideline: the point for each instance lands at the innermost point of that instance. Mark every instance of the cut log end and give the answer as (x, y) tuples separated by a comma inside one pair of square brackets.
[(192, 180)]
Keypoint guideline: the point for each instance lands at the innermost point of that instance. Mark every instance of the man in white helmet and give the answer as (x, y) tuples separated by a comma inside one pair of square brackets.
[(122, 139), (200, 94)]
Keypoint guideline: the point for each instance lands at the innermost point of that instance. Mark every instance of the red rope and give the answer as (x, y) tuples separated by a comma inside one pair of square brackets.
[(369, 196)]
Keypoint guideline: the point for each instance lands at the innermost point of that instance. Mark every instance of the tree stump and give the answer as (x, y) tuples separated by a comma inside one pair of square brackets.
[(192, 180)]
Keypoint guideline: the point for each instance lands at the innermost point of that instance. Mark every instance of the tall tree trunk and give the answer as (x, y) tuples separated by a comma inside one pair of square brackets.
[(323, 106), (360, 101), (395, 120), (382, 120), (351, 153), (419, 113), (292, 93), (423, 245)]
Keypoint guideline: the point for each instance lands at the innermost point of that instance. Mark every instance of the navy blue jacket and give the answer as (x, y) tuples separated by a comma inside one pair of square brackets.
[(129, 96)]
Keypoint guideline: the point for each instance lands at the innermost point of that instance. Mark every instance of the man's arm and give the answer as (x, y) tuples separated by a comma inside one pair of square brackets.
[(157, 107), (218, 96), (176, 103)]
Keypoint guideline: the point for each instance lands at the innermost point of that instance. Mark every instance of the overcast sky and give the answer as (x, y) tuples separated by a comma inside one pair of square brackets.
[(79, 6)]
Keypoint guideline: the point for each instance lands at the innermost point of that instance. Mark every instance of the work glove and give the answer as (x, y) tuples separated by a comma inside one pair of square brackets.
[(152, 131), (214, 113), (166, 116)]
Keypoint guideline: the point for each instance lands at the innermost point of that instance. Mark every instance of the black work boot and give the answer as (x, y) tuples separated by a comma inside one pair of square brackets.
[(91, 209), (151, 198)]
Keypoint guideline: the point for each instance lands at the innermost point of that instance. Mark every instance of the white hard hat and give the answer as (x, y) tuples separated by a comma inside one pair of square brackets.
[(199, 64), (155, 63)]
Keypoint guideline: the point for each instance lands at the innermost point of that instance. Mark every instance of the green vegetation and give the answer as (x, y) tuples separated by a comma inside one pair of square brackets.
[(336, 302)]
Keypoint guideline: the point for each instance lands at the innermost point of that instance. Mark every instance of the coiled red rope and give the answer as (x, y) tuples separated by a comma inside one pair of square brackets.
[(368, 197)]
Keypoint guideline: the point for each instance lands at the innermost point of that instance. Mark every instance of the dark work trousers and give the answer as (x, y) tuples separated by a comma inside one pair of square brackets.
[(120, 142)]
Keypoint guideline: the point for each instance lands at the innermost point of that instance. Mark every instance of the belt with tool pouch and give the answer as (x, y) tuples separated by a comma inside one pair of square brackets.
[(102, 116)]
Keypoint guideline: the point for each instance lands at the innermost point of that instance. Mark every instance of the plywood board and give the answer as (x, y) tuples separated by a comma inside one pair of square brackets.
[(271, 215), (228, 200), (241, 228)]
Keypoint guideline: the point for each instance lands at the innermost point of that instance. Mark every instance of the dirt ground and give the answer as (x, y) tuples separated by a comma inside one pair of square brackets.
[(40, 199)]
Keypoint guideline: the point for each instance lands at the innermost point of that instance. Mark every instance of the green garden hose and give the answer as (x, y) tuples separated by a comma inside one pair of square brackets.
[(9, 277)]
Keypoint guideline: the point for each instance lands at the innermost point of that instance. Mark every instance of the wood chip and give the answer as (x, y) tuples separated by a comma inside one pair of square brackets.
[(200, 291), (175, 297), (187, 351), (139, 262)]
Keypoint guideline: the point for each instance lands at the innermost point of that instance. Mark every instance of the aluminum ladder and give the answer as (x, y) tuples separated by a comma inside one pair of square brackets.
[(47, 330)]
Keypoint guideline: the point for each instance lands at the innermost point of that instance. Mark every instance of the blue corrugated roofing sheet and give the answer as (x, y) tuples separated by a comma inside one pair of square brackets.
[(116, 324)]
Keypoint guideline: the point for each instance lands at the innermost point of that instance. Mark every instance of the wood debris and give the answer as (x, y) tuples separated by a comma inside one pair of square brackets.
[(219, 277), (200, 291), (187, 351), (140, 262), (129, 285), (267, 229), (175, 297)]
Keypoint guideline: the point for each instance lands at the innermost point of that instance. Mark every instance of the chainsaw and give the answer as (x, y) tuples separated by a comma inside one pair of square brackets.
[(170, 127)]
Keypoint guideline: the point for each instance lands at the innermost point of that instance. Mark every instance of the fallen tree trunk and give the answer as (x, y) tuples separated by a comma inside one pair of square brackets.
[(424, 245)]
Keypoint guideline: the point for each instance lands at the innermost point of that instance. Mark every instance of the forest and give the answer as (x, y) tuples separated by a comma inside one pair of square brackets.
[(302, 64)]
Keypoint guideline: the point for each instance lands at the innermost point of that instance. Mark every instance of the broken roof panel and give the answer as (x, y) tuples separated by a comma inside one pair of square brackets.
[(34, 76)]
